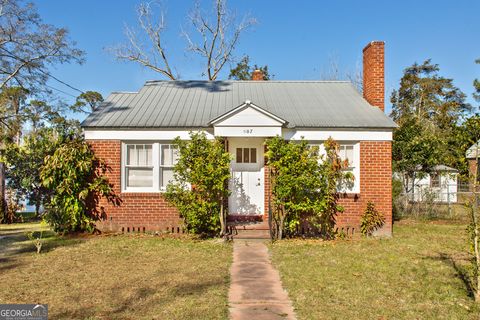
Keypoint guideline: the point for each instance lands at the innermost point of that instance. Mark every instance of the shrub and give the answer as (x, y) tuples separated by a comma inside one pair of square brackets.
[(76, 179), (200, 184), (371, 220), (304, 185)]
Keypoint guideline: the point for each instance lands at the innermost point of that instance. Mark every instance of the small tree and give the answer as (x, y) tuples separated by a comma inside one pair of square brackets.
[(371, 220), (304, 185), (76, 178), (200, 185), (24, 163), (87, 102)]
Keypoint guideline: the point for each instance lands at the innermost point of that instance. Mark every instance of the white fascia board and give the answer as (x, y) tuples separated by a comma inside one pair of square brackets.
[(245, 105), (154, 135), (338, 135)]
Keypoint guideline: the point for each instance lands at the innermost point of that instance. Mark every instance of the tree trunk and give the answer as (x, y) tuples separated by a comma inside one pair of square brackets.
[(223, 230), (476, 235), (3, 200), (37, 209)]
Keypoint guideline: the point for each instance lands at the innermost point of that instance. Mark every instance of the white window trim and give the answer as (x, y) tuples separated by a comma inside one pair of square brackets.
[(156, 156)]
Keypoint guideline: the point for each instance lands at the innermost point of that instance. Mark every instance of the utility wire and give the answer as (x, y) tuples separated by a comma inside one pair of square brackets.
[(66, 93), (62, 82)]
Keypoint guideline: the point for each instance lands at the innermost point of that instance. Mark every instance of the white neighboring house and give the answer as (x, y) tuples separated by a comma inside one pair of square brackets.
[(441, 185)]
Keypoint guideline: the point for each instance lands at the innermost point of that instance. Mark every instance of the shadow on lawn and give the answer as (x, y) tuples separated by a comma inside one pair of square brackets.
[(142, 299), (460, 270), (18, 243)]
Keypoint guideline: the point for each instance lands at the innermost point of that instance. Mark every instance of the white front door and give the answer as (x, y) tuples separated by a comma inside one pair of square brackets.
[(247, 176)]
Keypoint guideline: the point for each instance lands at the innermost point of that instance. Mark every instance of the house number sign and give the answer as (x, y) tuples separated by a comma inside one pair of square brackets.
[(248, 131)]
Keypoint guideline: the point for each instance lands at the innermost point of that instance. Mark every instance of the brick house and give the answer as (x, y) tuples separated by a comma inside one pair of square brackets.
[(133, 133)]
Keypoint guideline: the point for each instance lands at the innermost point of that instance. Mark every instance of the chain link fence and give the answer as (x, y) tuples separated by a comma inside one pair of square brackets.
[(434, 202)]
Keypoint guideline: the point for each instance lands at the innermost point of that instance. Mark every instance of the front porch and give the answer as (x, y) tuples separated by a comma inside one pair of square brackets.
[(245, 130)]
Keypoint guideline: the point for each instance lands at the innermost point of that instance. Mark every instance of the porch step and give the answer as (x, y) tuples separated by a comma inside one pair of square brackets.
[(251, 234)]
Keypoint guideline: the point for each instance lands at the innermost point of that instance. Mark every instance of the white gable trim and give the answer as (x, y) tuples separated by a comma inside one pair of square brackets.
[(245, 105)]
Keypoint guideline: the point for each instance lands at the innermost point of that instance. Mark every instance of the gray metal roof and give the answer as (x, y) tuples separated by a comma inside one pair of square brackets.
[(176, 104)]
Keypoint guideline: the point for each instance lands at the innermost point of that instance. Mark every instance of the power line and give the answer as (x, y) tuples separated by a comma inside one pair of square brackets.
[(68, 94), (62, 82)]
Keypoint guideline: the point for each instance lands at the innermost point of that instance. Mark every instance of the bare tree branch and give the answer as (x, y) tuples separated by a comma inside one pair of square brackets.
[(356, 77), (216, 40), (136, 47)]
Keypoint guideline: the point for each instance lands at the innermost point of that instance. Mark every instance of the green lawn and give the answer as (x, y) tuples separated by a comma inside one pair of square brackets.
[(418, 274), (116, 277)]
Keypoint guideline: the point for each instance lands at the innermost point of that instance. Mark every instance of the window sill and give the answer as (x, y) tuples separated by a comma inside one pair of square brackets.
[(133, 191)]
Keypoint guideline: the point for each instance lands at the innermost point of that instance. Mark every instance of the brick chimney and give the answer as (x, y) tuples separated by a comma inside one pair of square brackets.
[(374, 74), (257, 75)]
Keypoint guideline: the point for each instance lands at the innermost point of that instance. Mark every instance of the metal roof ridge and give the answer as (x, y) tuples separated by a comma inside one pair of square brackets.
[(122, 92), (250, 81)]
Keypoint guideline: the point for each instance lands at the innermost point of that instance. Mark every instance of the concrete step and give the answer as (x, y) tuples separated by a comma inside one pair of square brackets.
[(251, 234)]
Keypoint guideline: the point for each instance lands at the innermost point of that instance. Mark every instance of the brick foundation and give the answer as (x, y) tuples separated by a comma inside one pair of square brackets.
[(151, 212)]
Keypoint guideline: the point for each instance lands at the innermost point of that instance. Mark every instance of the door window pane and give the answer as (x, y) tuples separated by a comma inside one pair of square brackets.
[(239, 155), (246, 157), (253, 155)]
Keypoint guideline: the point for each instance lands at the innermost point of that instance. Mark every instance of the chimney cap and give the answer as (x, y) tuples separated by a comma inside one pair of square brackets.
[(374, 42)]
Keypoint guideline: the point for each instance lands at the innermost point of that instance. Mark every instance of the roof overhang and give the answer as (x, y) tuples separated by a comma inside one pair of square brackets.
[(248, 120)]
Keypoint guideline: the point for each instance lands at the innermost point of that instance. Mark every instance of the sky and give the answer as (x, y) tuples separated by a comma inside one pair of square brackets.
[(296, 39)]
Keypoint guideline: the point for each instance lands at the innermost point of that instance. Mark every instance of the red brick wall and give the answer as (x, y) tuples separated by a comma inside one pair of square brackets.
[(152, 212), (375, 186), (137, 210), (373, 74)]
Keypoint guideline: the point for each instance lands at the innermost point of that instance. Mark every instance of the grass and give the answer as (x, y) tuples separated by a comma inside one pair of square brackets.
[(116, 277), (420, 273)]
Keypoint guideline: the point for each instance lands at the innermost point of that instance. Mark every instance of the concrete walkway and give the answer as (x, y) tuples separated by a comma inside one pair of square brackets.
[(256, 290)]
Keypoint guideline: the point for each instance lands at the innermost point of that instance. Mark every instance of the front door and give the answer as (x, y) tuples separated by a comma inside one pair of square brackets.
[(247, 176)]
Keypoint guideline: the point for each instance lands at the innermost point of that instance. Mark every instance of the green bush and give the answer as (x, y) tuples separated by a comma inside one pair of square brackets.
[(77, 182), (304, 185), (200, 184), (371, 220)]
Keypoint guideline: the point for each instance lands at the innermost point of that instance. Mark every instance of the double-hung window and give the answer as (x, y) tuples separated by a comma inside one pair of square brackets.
[(139, 166), (147, 167)]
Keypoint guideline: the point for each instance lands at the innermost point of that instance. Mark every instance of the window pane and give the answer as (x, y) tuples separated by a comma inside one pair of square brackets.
[(246, 152), (239, 155), (148, 154), (166, 155), (253, 155), (139, 177), (131, 156), (175, 154), (167, 176), (349, 155), (144, 155), (341, 152)]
